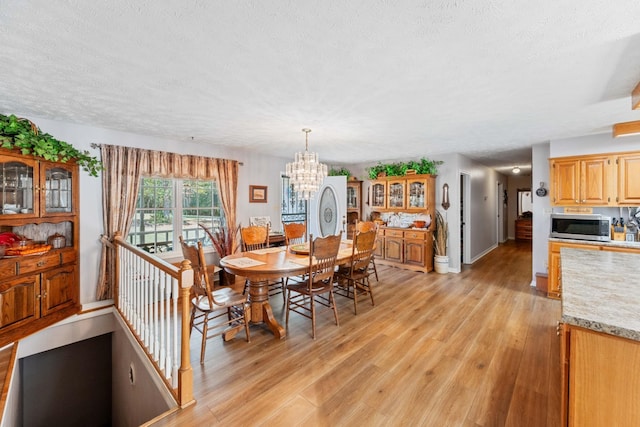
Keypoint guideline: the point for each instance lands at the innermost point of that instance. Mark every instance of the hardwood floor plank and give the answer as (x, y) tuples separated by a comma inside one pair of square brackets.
[(472, 349)]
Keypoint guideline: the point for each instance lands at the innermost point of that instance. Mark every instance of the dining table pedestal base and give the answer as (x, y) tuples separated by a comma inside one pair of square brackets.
[(261, 311)]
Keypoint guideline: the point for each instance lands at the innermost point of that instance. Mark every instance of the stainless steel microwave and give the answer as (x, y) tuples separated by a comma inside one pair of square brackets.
[(581, 227)]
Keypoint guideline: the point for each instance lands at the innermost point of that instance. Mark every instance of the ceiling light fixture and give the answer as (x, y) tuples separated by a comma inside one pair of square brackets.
[(626, 129), (306, 172), (515, 170)]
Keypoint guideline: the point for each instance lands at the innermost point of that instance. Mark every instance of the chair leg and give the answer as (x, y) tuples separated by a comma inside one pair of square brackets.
[(288, 307), (375, 271), (247, 316), (313, 317), (205, 331), (283, 287), (332, 301), (355, 296), (370, 290)]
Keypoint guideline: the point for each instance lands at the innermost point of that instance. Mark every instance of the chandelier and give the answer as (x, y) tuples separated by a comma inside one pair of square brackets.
[(306, 172)]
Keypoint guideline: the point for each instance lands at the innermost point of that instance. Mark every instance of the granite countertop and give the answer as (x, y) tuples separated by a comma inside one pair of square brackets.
[(601, 291), (611, 243)]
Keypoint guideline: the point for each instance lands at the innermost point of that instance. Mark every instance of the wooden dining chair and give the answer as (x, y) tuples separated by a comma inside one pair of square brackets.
[(364, 226), (353, 278), (255, 237), (215, 312), (317, 287), (295, 233)]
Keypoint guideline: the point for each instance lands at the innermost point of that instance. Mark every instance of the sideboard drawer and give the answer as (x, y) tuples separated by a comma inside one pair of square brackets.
[(416, 235), (393, 233), (30, 264)]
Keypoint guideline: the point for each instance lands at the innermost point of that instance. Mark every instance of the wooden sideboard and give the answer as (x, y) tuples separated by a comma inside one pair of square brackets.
[(524, 229), (40, 200)]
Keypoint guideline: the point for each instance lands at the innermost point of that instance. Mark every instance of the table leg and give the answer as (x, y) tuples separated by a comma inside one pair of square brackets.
[(261, 309)]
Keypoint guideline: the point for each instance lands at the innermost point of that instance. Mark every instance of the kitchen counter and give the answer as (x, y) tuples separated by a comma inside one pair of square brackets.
[(611, 243), (601, 290)]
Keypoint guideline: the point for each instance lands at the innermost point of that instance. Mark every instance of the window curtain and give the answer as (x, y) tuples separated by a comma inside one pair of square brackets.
[(123, 168)]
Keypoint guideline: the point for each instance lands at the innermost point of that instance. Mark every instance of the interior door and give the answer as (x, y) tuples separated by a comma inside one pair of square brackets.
[(328, 209)]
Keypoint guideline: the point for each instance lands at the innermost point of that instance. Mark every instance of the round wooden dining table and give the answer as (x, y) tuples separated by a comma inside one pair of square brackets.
[(261, 266)]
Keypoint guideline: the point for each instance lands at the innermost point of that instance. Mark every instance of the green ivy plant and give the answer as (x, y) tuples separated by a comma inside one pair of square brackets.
[(21, 134), (424, 166), (339, 172)]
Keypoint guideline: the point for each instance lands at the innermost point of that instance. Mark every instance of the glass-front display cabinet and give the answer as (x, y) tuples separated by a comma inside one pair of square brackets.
[(17, 190), (379, 194), (396, 198), (354, 188), (416, 191), (30, 188), (57, 183)]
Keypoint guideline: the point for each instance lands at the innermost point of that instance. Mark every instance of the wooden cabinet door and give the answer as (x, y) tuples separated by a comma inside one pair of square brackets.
[(393, 249), (416, 194), (396, 194), (565, 182), (58, 189), (553, 291), (58, 289), (19, 301), (603, 380), (414, 252), (354, 190), (564, 332), (379, 249), (595, 181), (629, 179), (378, 194), (18, 178)]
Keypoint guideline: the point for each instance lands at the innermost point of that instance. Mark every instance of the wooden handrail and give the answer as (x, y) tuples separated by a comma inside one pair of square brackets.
[(183, 391)]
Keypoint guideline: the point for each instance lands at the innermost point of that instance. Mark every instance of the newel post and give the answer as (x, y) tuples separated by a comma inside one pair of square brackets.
[(185, 373)]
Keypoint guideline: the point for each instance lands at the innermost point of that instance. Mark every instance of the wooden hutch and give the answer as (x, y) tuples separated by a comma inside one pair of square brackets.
[(39, 199), (409, 248), (354, 205)]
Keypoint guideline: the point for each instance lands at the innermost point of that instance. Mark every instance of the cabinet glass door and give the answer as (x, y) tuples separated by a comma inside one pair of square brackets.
[(396, 195), (378, 195), (16, 186), (416, 190), (352, 197), (58, 191)]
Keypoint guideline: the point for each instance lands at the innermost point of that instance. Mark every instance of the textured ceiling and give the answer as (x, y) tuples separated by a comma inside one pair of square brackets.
[(374, 80)]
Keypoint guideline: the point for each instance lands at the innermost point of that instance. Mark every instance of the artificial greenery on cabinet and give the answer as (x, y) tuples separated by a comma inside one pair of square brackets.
[(22, 134), (423, 166)]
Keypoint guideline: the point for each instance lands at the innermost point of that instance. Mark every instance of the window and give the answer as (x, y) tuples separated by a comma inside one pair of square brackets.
[(292, 207), (169, 207)]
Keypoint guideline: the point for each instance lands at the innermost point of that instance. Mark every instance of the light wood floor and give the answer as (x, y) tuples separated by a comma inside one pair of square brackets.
[(477, 348)]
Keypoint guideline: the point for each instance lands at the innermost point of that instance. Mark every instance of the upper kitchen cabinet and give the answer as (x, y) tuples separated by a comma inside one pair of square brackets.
[(582, 181), (628, 179)]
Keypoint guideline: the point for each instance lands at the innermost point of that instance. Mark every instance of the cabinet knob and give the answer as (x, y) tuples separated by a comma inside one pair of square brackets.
[(584, 201)]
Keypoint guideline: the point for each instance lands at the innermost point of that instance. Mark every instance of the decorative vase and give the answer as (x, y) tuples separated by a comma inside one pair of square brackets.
[(441, 264)]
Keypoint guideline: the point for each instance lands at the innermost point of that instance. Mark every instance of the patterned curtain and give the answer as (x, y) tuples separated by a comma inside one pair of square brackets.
[(120, 183), (123, 167), (226, 175)]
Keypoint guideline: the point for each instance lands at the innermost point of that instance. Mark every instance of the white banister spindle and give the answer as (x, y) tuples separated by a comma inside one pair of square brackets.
[(148, 292)]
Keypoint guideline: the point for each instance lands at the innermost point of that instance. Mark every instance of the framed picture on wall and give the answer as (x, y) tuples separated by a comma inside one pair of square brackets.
[(257, 194)]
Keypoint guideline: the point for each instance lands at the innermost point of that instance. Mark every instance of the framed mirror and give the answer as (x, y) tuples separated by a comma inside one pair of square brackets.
[(525, 203)]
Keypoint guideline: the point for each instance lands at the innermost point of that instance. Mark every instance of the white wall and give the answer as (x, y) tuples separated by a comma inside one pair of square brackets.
[(541, 210), (256, 170)]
